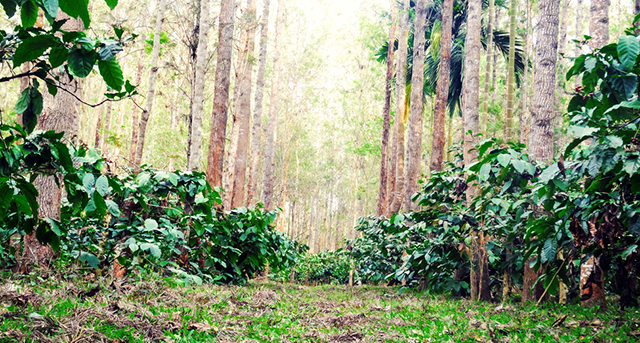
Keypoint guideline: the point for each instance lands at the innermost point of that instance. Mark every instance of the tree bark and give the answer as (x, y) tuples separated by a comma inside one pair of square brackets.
[(243, 105), (470, 109), (487, 72), (386, 115), (104, 145), (494, 77), (138, 82), (252, 185), (194, 148), (269, 147), (525, 116), (599, 23), (414, 132), (215, 156), (396, 176), (442, 91), (577, 51), (544, 111), (511, 75), (59, 114), (153, 76)]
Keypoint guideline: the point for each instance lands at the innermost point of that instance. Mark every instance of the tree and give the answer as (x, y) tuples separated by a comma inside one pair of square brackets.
[(511, 87), (525, 116), (194, 148), (577, 51), (487, 72), (153, 76), (470, 109), (252, 185), (243, 111), (134, 113), (268, 175), (386, 118), (396, 175), (414, 132), (599, 23), (217, 137), (442, 92), (543, 109)]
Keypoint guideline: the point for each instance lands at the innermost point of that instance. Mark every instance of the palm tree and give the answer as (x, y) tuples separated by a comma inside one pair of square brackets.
[(458, 37)]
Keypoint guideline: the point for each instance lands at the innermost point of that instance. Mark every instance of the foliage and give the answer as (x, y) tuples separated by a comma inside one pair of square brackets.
[(58, 55), (325, 267)]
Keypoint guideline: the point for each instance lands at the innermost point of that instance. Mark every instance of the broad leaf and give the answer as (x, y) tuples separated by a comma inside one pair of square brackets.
[(23, 101), (518, 165), (102, 185), (9, 6), (89, 259), (550, 250), (81, 63), (631, 165), (113, 208), (57, 56), (112, 74), (112, 3), (152, 248), (51, 6), (581, 131), (32, 48), (29, 13), (504, 159), (628, 50), (150, 224)]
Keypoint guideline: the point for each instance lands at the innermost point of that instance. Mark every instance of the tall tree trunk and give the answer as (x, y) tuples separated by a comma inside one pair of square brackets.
[(599, 23), (134, 112), (511, 75), (173, 121), (194, 148), (442, 91), (59, 114), (252, 185), (494, 77), (470, 108), (525, 116), (414, 132), (98, 135), (153, 76), (577, 51), (487, 71), (396, 176), (243, 105), (560, 71), (215, 156), (268, 176), (386, 114), (104, 145), (543, 108)]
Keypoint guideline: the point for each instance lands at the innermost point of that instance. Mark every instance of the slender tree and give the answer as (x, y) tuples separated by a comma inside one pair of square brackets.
[(511, 73), (217, 137), (269, 148), (577, 51), (386, 118), (252, 184), (243, 112), (525, 116), (487, 71), (138, 81), (442, 91), (414, 132), (396, 175), (194, 147), (470, 110), (153, 76)]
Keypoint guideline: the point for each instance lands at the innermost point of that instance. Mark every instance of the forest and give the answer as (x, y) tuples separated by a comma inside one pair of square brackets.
[(319, 171)]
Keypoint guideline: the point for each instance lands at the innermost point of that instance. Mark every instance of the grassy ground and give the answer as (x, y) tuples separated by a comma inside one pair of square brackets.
[(77, 310)]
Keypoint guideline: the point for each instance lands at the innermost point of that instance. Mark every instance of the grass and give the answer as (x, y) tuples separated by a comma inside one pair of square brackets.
[(53, 310)]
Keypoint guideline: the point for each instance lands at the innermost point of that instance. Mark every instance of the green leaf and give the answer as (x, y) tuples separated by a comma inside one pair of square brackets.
[(626, 85), (57, 56), (88, 181), (518, 165), (81, 63), (29, 13), (150, 224), (90, 259), (152, 248), (113, 208), (51, 6), (101, 206), (628, 50), (54, 225), (615, 141), (36, 102), (631, 165), (112, 74), (550, 250), (484, 172), (108, 49), (504, 159), (9, 7), (71, 7), (630, 250), (23, 101), (112, 3), (32, 48), (635, 104), (634, 225), (51, 88), (102, 185), (581, 131), (549, 173)]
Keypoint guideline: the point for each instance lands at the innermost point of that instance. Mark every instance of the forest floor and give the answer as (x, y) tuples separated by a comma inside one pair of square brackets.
[(34, 309)]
